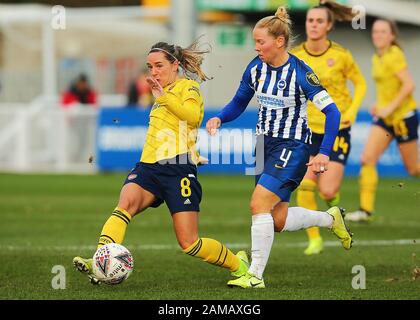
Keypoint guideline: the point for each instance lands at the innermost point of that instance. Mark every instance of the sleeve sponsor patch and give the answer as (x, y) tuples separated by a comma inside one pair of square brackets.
[(322, 99), (312, 79)]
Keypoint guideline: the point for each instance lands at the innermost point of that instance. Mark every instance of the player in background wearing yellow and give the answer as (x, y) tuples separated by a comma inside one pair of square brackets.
[(394, 115), (334, 65), (167, 169)]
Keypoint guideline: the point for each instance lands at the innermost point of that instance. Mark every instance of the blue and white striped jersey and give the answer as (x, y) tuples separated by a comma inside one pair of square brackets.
[(282, 95)]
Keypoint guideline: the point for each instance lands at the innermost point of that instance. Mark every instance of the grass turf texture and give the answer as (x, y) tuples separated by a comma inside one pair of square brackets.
[(46, 220)]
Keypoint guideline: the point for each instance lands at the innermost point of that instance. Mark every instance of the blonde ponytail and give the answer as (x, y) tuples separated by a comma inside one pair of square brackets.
[(278, 25), (283, 15)]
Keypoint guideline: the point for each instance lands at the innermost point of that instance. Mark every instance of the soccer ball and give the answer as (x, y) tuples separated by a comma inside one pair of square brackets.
[(112, 263)]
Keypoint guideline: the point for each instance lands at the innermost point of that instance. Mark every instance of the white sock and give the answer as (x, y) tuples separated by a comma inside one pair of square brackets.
[(262, 236), (300, 218)]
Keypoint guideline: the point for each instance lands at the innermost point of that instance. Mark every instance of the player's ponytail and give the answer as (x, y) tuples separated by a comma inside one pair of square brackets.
[(282, 14), (190, 58), (278, 25), (336, 11)]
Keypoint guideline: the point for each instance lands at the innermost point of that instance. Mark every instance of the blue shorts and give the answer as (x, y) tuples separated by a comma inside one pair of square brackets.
[(175, 184), (404, 130), (341, 148), (284, 165)]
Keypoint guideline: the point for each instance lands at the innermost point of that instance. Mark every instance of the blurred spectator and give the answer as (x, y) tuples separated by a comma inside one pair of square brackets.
[(80, 92), (139, 93)]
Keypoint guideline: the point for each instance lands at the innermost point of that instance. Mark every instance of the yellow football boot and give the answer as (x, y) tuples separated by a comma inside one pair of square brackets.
[(339, 227), (247, 281), (243, 266)]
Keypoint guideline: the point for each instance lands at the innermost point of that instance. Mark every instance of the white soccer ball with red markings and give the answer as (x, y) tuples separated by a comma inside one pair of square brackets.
[(112, 263)]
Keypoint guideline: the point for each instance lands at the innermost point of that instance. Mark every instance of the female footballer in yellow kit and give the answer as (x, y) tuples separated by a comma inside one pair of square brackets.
[(167, 169), (395, 115), (334, 65)]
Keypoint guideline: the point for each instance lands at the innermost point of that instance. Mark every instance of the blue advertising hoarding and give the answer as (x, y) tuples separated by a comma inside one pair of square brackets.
[(122, 133)]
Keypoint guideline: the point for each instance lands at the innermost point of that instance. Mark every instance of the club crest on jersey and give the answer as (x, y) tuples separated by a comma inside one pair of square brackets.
[(132, 176), (281, 85), (330, 62), (312, 79)]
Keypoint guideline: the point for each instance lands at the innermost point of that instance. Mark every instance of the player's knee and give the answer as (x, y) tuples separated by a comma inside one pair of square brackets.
[(368, 159), (328, 193), (257, 207), (186, 242), (129, 205)]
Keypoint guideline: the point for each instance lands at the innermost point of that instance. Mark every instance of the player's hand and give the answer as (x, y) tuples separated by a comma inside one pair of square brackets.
[(155, 86), (319, 163), (212, 125)]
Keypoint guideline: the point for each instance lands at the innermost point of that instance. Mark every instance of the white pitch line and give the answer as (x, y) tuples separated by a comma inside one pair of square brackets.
[(279, 244)]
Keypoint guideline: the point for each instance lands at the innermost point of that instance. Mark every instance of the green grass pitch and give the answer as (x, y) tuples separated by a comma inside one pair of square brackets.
[(46, 220)]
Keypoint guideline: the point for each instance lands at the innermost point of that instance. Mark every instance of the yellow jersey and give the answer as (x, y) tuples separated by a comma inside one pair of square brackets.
[(174, 121), (384, 73), (334, 67)]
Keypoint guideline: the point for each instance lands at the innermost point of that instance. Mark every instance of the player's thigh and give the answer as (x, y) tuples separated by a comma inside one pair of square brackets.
[(279, 214), (185, 225), (378, 141), (263, 200), (410, 156), (329, 182), (134, 199), (284, 169)]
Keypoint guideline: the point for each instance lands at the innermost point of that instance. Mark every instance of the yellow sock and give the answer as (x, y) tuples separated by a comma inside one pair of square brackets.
[(333, 202), (214, 252), (306, 199), (368, 182), (114, 228)]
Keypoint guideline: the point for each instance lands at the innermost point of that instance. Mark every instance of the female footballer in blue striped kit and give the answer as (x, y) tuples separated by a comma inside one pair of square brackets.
[(283, 84)]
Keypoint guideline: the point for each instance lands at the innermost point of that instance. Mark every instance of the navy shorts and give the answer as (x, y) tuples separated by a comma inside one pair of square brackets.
[(404, 130), (175, 184), (341, 148), (284, 165)]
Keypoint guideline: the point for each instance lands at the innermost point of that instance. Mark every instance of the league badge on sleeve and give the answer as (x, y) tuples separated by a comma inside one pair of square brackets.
[(312, 79)]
